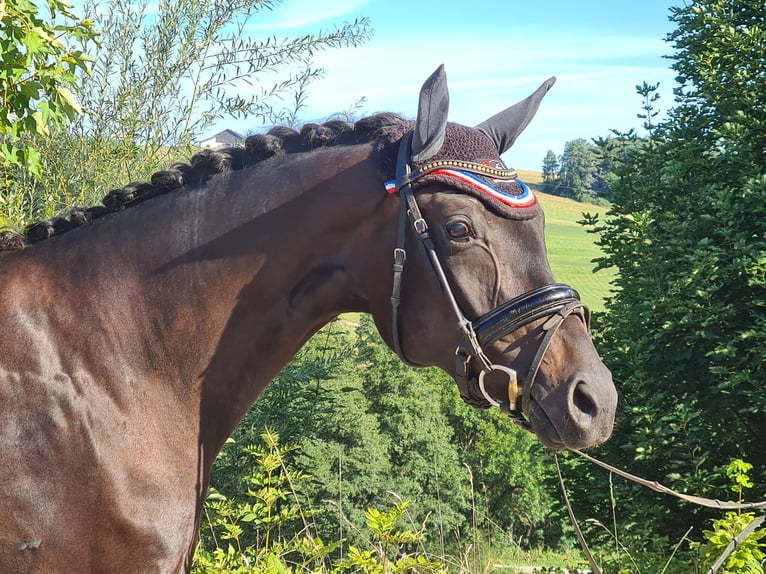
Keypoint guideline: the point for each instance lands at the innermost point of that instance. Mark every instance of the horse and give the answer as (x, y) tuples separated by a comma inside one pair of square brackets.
[(137, 334)]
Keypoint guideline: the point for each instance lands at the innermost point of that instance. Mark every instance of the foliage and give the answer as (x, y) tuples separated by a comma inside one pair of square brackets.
[(163, 74), (586, 171), (368, 425), (650, 96), (411, 408), (686, 326), (512, 476), (748, 556), (40, 59), (258, 534), (550, 166), (252, 529), (37, 70), (204, 48), (578, 166), (388, 555), (315, 403)]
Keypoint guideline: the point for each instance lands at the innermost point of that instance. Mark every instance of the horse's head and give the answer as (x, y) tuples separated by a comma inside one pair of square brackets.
[(478, 297)]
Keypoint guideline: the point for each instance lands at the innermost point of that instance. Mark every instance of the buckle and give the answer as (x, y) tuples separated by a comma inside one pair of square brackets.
[(513, 386), (420, 226)]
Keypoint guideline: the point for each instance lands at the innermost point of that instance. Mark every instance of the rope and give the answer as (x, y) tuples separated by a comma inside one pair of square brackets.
[(570, 510), (657, 487)]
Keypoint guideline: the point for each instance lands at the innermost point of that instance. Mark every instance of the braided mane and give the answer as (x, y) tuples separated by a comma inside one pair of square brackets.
[(206, 163)]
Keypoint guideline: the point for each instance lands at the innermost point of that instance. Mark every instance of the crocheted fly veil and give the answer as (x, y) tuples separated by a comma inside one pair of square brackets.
[(468, 159)]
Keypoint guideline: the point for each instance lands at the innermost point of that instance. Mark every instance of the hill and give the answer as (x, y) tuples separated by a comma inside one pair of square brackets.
[(571, 249)]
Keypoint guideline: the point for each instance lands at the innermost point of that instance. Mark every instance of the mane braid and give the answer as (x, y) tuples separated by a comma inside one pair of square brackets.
[(278, 140)]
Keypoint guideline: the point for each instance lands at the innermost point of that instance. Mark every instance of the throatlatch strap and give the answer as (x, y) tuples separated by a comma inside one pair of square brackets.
[(400, 253), (400, 257)]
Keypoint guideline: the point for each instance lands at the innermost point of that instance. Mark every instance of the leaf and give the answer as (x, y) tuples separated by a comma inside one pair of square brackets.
[(33, 161), (69, 100)]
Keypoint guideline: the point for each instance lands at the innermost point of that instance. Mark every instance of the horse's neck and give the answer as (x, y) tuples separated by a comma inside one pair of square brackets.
[(212, 291)]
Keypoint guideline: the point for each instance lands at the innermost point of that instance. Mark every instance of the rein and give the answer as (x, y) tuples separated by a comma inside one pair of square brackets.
[(555, 302), (657, 487)]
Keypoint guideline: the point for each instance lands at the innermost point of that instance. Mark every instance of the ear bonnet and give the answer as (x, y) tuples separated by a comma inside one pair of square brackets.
[(468, 159)]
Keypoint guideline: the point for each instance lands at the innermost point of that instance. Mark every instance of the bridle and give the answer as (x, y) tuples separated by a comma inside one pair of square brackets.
[(554, 302)]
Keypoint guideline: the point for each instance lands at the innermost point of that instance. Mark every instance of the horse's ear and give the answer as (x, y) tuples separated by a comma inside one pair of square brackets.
[(505, 127), (428, 133)]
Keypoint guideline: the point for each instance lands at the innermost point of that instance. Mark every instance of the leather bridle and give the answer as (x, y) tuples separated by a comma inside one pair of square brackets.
[(554, 302)]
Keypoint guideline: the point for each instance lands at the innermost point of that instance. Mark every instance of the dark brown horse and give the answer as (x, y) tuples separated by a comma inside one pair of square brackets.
[(133, 344)]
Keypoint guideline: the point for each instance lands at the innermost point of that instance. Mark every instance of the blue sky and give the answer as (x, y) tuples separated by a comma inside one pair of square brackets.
[(496, 52)]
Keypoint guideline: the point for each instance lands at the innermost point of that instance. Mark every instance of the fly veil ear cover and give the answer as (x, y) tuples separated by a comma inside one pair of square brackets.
[(430, 126), (485, 176), (505, 127)]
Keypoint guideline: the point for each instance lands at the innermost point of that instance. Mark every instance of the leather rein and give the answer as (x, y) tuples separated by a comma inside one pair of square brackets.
[(554, 302)]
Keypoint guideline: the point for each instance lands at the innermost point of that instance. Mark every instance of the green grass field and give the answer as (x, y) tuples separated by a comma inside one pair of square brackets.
[(571, 249)]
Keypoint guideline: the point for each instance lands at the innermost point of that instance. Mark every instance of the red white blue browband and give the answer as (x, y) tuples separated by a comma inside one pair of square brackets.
[(466, 178)]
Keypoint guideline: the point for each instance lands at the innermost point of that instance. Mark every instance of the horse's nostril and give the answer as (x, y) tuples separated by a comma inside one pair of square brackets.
[(583, 400)]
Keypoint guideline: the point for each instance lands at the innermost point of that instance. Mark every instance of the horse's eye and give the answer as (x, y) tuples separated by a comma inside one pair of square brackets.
[(458, 230)]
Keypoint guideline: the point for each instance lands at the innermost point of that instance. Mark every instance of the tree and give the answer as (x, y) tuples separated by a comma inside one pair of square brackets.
[(162, 76), (425, 462), (40, 59), (317, 402), (512, 476), (550, 167), (372, 431), (163, 73), (650, 95), (611, 153), (686, 326), (578, 167)]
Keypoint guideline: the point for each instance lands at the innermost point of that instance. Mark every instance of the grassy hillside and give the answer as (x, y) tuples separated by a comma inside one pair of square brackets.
[(570, 248)]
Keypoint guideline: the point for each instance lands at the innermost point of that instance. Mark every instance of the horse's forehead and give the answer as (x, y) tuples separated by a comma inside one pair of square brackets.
[(511, 199)]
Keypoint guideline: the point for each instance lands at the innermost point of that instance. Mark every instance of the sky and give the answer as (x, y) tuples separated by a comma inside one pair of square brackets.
[(496, 52)]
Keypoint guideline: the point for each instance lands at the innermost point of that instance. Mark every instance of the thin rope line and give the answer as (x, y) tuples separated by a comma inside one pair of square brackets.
[(573, 519), (657, 487)]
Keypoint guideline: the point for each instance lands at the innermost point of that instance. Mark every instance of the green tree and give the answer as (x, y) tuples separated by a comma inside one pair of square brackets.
[(550, 167), (270, 527), (317, 401), (411, 408), (166, 72), (512, 476), (163, 73), (577, 173), (610, 153), (40, 59), (650, 96), (372, 430), (686, 326)]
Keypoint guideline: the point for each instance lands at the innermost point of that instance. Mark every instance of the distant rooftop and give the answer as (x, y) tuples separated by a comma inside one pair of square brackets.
[(223, 139)]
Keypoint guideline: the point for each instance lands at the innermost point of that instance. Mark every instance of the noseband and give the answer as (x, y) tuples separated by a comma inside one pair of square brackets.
[(553, 302)]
